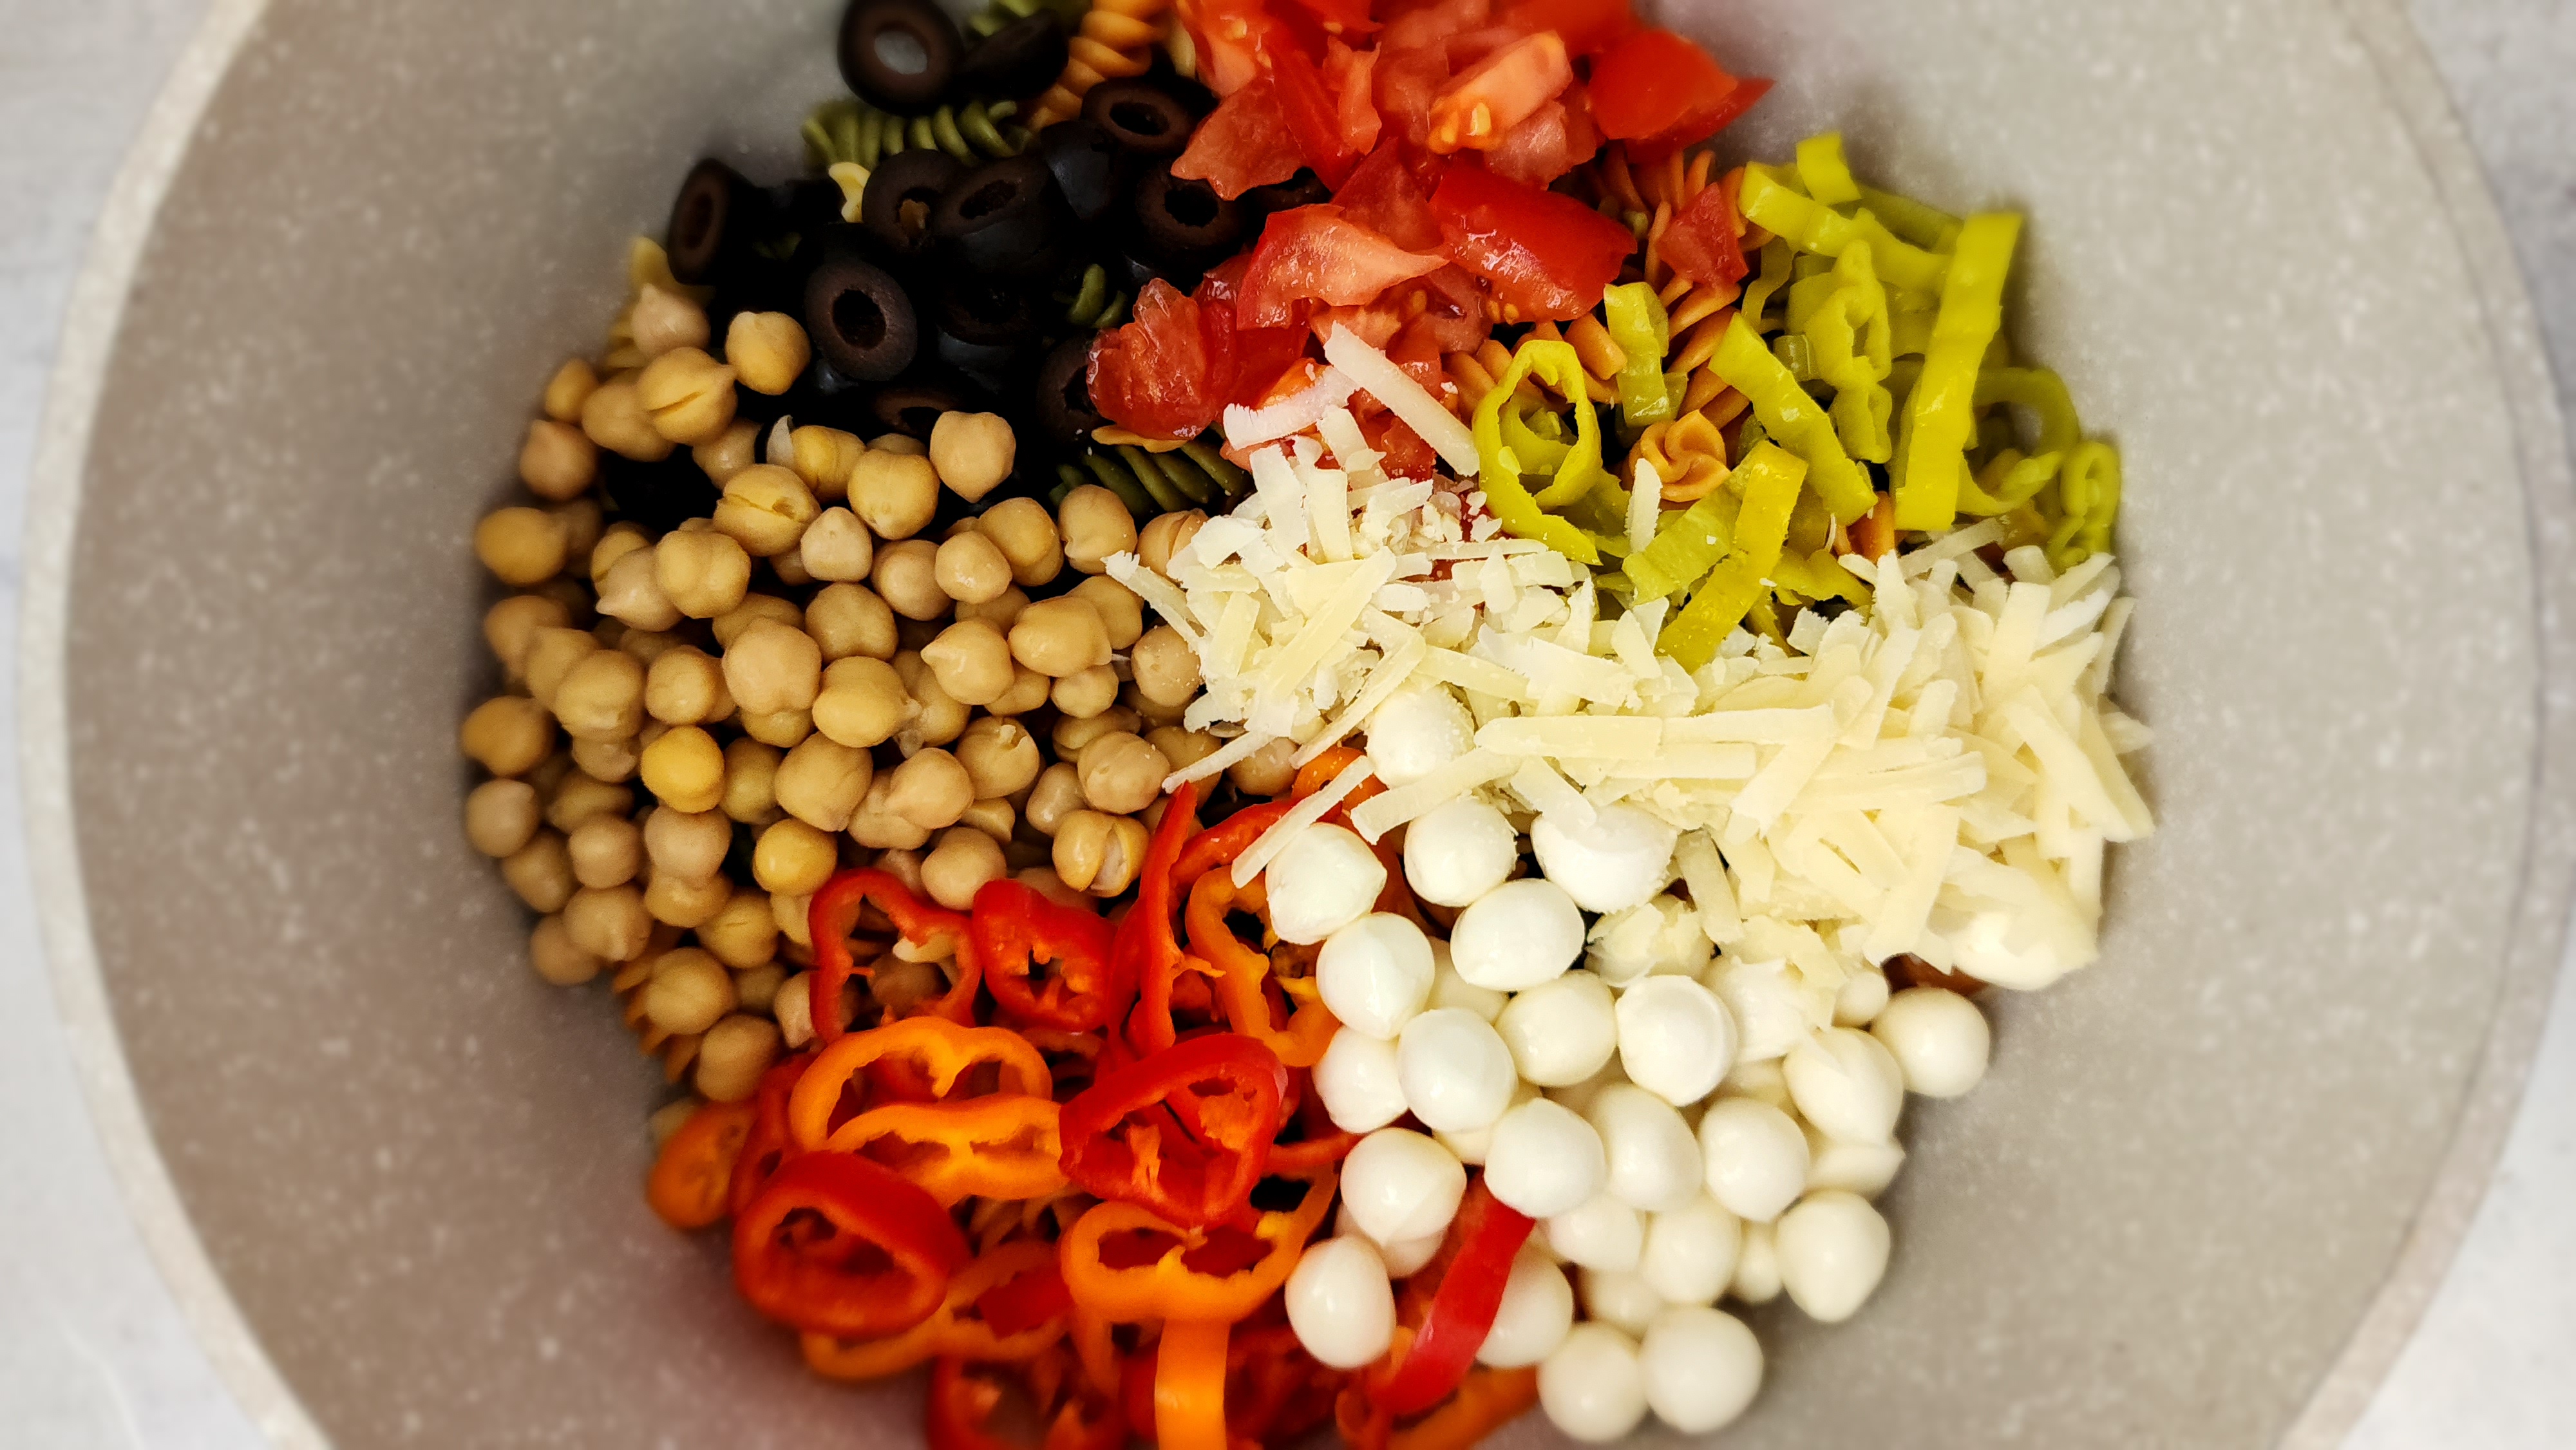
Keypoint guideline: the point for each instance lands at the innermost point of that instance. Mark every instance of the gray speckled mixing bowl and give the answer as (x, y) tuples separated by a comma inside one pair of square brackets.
[(394, 1176)]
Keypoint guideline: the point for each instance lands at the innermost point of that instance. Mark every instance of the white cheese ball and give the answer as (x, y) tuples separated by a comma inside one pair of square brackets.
[(1756, 1156), (1340, 1303), (1599, 1233), (1760, 1081), (1537, 1310), (2003, 948), (1847, 1084), (1663, 935), (1862, 1168), (1757, 1266), (1833, 1251), (1702, 1368), (1375, 973), (1619, 860), (1653, 1161), (1358, 1083), (1592, 1387), (1863, 997), (1676, 1039), (1459, 850), (1560, 1032), (1543, 1160), (1774, 1009), (1472, 1145), (1516, 936), (1404, 1258), (1400, 1185), (1690, 1255), (1625, 1301), (1416, 732), (1326, 879), (1939, 1039), (1457, 1074), (1448, 989)]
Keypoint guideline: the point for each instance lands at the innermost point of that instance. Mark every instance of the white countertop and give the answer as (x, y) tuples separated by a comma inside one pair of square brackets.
[(92, 1353)]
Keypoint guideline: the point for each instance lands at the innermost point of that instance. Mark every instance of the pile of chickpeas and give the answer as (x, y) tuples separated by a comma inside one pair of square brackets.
[(698, 729)]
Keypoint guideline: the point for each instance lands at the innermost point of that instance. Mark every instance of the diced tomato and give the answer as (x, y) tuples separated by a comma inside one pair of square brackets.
[(1228, 35), (1261, 355), (1312, 112), (1341, 17), (1168, 373), (1657, 88), (1554, 140), (1242, 144), (1317, 252), (1499, 92), (1374, 324), (1702, 243), (1383, 196), (1454, 308), (1416, 349), (1352, 76), (1408, 82), (1434, 23), (1404, 453), (1588, 27), (1749, 91), (1546, 256)]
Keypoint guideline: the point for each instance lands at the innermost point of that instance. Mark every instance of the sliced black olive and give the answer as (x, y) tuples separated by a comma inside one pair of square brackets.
[(1303, 189), (1003, 219), (903, 194), (715, 216), (1089, 168), (913, 406), (1185, 222), (859, 319), (660, 496), (1140, 117), (1020, 59), (1064, 408), (899, 55), (984, 328)]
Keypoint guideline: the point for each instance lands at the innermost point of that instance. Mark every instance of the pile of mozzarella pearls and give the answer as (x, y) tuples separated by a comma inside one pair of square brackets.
[(1596, 1081)]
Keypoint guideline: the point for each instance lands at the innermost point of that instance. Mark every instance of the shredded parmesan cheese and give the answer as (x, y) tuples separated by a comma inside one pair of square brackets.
[(1257, 857)]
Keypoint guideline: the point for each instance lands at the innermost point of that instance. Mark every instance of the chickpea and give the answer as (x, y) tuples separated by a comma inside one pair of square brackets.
[(688, 991), (690, 847), (579, 797), (689, 395), (1060, 637), (785, 729), (631, 593), (766, 508), (971, 661), (756, 607), (703, 573), (1056, 795), (751, 782), (974, 453), (825, 458), (605, 851), (620, 540), (679, 902), (822, 781), (510, 628), (583, 524), (758, 986), (568, 389), (791, 915), (663, 320), (602, 698), (1073, 736), (1020, 528), (894, 495), (793, 859), (1099, 853), (902, 445), (1081, 696), (993, 817), (685, 770), (729, 452), (1095, 525), (1122, 614), (907, 579), (1166, 669), (838, 548), (1028, 691), (609, 923), (615, 418), (1168, 535), (1269, 771), (768, 350), (1001, 611), (552, 953), (686, 687), (904, 865), (771, 667), (647, 645), (931, 790), (609, 760), (965, 859), (558, 462), (971, 570), (877, 826), (733, 1056), (1044, 881), (1184, 748), (501, 816), (863, 702), (507, 735), (849, 621), (794, 1009), (521, 546), (1000, 757), (790, 568), (938, 718), (541, 872), (743, 935), (1122, 774)]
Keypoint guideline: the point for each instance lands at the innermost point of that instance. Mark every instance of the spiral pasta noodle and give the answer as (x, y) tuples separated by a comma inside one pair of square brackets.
[(852, 133), (1117, 39), (1688, 454)]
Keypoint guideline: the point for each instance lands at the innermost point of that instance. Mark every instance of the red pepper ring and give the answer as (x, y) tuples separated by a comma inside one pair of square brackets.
[(1144, 948), (770, 1144), (936, 1051), (1124, 1265), (928, 934), (1462, 1311), (1185, 1132), (965, 1397), (1015, 928), (1008, 1304), (1243, 973), (840, 1245)]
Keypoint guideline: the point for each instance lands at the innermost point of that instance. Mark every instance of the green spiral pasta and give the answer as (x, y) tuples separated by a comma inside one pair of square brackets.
[(851, 132), (1194, 475), (1095, 304)]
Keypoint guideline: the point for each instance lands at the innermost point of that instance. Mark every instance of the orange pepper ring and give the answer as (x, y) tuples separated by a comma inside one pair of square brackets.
[(1168, 1288), (1240, 972), (945, 1050), (982, 1156), (949, 1329)]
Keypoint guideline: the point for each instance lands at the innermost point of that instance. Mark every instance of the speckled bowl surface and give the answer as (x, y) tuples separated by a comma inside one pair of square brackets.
[(394, 1176)]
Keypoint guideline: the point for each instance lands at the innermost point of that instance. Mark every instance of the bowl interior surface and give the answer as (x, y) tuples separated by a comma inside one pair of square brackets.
[(416, 1166)]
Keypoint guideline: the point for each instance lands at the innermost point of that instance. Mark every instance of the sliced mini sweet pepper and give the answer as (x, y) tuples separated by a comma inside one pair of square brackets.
[(1126, 1264), (692, 1178), (839, 1245), (1018, 931), (1184, 1132), (927, 934), (1243, 974), (931, 1054), (1941, 413), (1522, 513), (1144, 946), (1189, 1385), (1010, 1303), (1004, 1145), (1771, 478), (770, 1142), (971, 1405), (1795, 419), (1427, 1365)]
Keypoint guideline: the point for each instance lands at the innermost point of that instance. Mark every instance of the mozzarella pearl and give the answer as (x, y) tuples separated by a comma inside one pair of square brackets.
[(1516, 936), (1457, 1074), (1326, 879), (1400, 1185), (1654, 1162), (1756, 1156), (1623, 1300), (1690, 1255), (1592, 1387), (1833, 1251), (1847, 1084), (1416, 732), (1473, 1145), (1702, 1368), (1543, 1160), (1459, 850), (1663, 935), (1999, 947), (1619, 860), (1599, 1233), (1375, 973), (1448, 989), (1675, 1038), (1939, 1039), (1340, 1303), (1358, 1083), (1757, 1266), (1560, 1032), (1537, 1310), (1403, 1258), (1862, 1168), (1773, 1012), (1863, 997)]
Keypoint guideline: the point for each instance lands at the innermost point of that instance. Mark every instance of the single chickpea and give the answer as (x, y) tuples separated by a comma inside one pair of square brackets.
[(568, 389), (602, 698), (1099, 853), (685, 770), (679, 902), (771, 667), (508, 735), (766, 508), (579, 797), (686, 687), (558, 461), (733, 1056), (1121, 612), (971, 661), (688, 991), (501, 816), (974, 453), (971, 569), (1028, 691), (632, 595), (690, 847), (1060, 637), (902, 445), (849, 620), (939, 717), (1071, 737), (863, 702), (703, 573), (1167, 535), (1184, 748), (610, 923), (1166, 668), (521, 546), (754, 608), (663, 320), (877, 826), (790, 567), (792, 916), (1095, 525), (1056, 796), (895, 496), (605, 851), (825, 458), (751, 782), (966, 858), (907, 579), (931, 790), (794, 1009), (729, 452), (822, 781), (1044, 881), (1020, 528), (837, 547), (541, 872), (994, 818), (743, 935), (1081, 696), (1122, 774), (510, 628), (552, 953), (609, 760), (785, 729), (793, 859), (616, 543), (768, 351), (1000, 756), (1268, 771), (689, 394), (758, 986), (615, 418)]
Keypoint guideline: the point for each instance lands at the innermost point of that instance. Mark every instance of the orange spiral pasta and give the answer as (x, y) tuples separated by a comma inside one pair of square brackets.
[(1117, 39)]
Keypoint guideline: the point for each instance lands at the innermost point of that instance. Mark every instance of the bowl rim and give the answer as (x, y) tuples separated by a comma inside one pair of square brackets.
[(2537, 930)]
